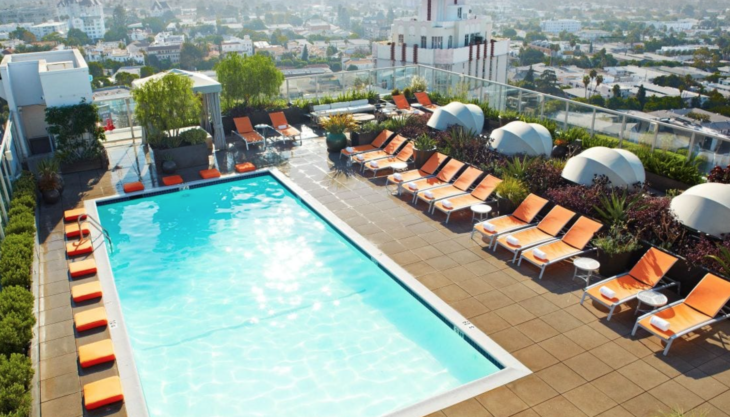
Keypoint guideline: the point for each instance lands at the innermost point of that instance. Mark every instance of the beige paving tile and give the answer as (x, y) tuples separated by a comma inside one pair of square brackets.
[(558, 407), (67, 406), (590, 399), (588, 366), (511, 339), (490, 322), (476, 286), (518, 292), (494, 300), (468, 408), (532, 390), (537, 330), (673, 395), (643, 375), (535, 357), (538, 306), (617, 411), (58, 366), (561, 347), (645, 405), (60, 386), (613, 355), (617, 387), (561, 321), (561, 378), (434, 280), (469, 307), (451, 293), (514, 314), (701, 384), (502, 402), (586, 337)]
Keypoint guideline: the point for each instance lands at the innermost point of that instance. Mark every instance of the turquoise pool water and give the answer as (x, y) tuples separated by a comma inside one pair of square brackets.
[(241, 301)]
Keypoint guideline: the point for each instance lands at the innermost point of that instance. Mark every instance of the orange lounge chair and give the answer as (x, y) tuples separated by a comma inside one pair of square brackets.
[(245, 167), (403, 156), (172, 180), (79, 247), (572, 244), (74, 214), (459, 187), (103, 392), (376, 145), (522, 217), (81, 268), (401, 102), (90, 319), (132, 187), (705, 305), (447, 173), (425, 101), (545, 231), (88, 291), (207, 174), (96, 353), (426, 171), (73, 230), (390, 150), (278, 121), (246, 132), (479, 195), (645, 275)]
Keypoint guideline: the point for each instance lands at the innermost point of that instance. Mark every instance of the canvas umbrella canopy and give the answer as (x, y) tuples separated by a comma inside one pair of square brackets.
[(704, 207), (622, 167), (469, 116), (531, 139)]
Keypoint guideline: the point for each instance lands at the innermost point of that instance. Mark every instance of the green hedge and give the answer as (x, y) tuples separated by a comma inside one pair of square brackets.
[(17, 317)]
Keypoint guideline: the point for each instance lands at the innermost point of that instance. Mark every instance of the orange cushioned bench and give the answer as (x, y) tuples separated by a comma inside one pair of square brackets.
[(73, 215), (132, 187), (72, 229), (172, 180), (81, 268), (96, 353), (90, 319), (75, 248), (207, 174), (245, 167), (87, 291), (103, 392)]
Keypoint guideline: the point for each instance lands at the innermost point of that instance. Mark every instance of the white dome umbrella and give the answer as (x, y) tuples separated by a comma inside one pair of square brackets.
[(622, 167), (469, 116), (704, 207), (518, 137)]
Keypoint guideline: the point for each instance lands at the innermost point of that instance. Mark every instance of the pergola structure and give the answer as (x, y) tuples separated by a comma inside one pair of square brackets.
[(211, 118)]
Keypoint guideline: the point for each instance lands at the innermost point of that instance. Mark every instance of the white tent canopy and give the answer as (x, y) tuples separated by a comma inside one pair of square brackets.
[(622, 167), (210, 89), (531, 139), (704, 207), (469, 116)]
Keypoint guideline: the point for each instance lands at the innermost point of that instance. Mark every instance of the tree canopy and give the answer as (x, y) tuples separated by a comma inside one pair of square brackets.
[(247, 79), (166, 105)]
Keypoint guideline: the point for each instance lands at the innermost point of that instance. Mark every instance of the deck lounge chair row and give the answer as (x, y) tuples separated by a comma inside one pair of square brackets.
[(249, 136)]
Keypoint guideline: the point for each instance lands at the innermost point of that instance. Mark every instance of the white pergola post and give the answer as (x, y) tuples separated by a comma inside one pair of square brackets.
[(217, 119)]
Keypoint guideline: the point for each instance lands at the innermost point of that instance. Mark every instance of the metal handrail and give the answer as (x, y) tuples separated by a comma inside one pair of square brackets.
[(97, 226)]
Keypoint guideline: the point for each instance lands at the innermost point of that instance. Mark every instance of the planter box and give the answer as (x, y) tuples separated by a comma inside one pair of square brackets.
[(663, 184), (184, 156), (358, 139), (612, 265), (228, 125), (102, 162)]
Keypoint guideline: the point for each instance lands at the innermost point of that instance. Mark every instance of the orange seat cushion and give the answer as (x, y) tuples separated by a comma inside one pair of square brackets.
[(73, 215), (96, 353), (245, 167), (103, 392), (75, 248), (501, 224), (88, 291), (132, 187), (624, 286), (90, 319), (81, 268), (207, 174), (553, 251), (172, 180), (680, 317), (72, 229)]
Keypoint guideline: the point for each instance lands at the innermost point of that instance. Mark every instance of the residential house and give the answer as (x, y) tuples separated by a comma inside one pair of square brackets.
[(84, 15)]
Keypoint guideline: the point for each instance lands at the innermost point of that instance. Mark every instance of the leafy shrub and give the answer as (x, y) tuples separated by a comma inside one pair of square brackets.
[(16, 319), (600, 140), (424, 142), (579, 198), (544, 175), (569, 136), (671, 165), (76, 131), (370, 127), (16, 373), (418, 84), (517, 167), (463, 145), (614, 208), (25, 184), (407, 92), (719, 174), (654, 221), (21, 223), (16, 260), (23, 200), (395, 92), (513, 190), (618, 240), (705, 252), (194, 136)]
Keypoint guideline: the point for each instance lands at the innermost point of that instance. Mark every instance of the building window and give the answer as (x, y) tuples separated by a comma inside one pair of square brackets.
[(466, 40), (451, 41), (423, 42), (458, 12), (400, 38), (437, 42)]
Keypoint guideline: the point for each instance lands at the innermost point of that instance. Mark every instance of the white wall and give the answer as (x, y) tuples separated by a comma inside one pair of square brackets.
[(25, 83), (66, 87)]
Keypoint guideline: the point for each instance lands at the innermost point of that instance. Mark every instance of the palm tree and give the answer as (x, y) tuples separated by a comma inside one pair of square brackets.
[(599, 80), (586, 81)]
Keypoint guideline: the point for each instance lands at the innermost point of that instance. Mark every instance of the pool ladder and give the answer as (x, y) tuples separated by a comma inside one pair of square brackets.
[(92, 221)]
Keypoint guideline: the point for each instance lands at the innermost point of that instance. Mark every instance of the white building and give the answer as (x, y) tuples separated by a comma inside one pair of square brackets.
[(32, 82), (557, 26), (445, 35), (42, 29), (675, 26), (85, 15), (239, 46)]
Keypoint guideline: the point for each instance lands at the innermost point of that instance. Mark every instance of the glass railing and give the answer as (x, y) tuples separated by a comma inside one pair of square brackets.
[(117, 117)]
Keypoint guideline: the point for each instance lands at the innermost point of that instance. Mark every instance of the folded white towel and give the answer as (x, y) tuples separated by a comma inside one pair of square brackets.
[(513, 240), (489, 227), (282, 127), (397, 176), (413, 186), (539, 254), (361, 157), (659, 323), (374, 164), (428, 194), (608, 293), (447, 204), (350, 149)]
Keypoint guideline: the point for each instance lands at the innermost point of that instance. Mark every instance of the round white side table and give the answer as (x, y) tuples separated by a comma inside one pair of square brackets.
[(480, 212), (399, 166), (652, 299), (586, 267)]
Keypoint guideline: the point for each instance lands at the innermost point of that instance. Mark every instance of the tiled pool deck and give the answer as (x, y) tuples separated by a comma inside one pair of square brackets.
[(583, 365)]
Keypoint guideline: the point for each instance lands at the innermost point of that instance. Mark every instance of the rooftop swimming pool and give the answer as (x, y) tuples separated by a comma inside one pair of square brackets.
[(239, 298)]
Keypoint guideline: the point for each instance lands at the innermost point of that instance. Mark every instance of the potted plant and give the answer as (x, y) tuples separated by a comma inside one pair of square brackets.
[(50, 182), (184, 148), (423, 148), (567, 140), (336, 126), (511, 192), (168, 165), (365, 134), (617, 250)]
